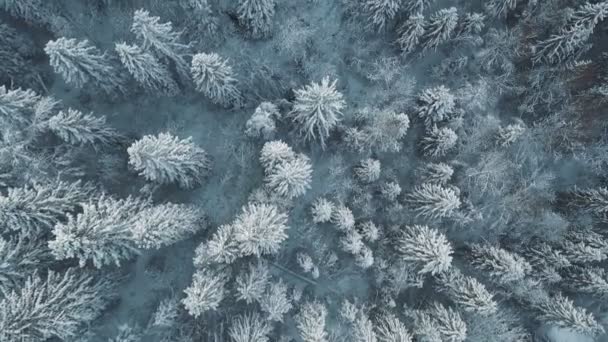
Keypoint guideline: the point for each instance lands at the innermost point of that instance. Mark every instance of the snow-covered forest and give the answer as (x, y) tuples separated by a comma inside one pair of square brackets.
[(303, 170)]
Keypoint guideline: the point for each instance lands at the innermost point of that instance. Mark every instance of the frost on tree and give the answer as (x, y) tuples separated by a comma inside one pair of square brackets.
[(416, 6), (222, 248), (249, 327), (80, 63), (310, 322), (342, 217), (260, 229), (382, 131), (589, 280), (569, 43), (500, 8), (16, 105), (39, 207), (262, 122), (256, 16), (317, 110), (166, 159), (161, 39), (76, 128), (213, 77), (165, 224), (321, 210), (435, 105), (411, 33), (274, 153), (390, 329), (290, 179), (467, 292), (507, 135), (560, 311), (434, 201), (146, 69), (439, 323), (438, 141), (54, 306), (435, 173), (425, 248), (380, 13), (101, 233), (440, 28), (19, 257), (368, 170), (275, 302), (251, 283), (205, 293), (499, 264)]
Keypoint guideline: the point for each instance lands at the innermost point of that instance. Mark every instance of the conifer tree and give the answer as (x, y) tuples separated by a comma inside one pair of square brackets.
[(146, 69), (290, 179), (436, 173), (411, 33), (440, 28), (205, 293), (380, 12), (260, 229), (249, 327), (561, 311), (19, 256), (76, 128), (368, 170), (275, 302), (426, 249), (467, 292), (214, 77), (590, 280), (434, 201), (390, 329), (167, 159), (439, 141), (310, 322), (251, 283), (16, 105), (256, 16), (499, 264), (435, 105)]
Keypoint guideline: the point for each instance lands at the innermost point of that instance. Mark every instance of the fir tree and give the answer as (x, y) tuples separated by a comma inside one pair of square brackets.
[(435, 173), (590, 280), (167, 159), (256, 16), (425, 248), (434, 201), (76, 128), (274, 301), (411, 33), (467, 292), (317, 109), (368, 170), (310, 322), (439, 141), (251, 284), (380, 12), (146, 69), (440, 28), (435, 105), (222, 248), (19, 256), (561, 311), (205, 293), (342, 217), (390, 329), (262, 122), (215, 78), (290, 179), (322, 210), (499, 264), (16, 105), (260, 229), (249, 327), (80, 63), (164, 224), (275, 153)]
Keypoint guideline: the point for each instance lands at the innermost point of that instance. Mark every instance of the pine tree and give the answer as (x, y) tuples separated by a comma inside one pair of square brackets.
[(561, 311), (434, 201), (440, 28), (256, 16), (425, 248), (342, 217), (262, 122), (164, 224), (435, 105), (417, 6), (390, 191), (205, 293), (368, 170), (80, 63), (39, 207), (509, 134), (101, 233), (310, 322), (440, 322), (146, 69), (251, 284), (55, 306), (590, 280), (76, 128), (222, 248), (317, 109), (19, 256), (274, 301), (467, 292), (592, 200), (16, 105), (390, 329), (167, 159), (435, 173), (362, 330), (260, 229), (499, 264), (380, 12), (249, 327), (471, 25), (500, 8), (161, 39), (214, 78), (274, 153), (439, 141), (290, 179), (322, 210), (383, 131), (411, 33)]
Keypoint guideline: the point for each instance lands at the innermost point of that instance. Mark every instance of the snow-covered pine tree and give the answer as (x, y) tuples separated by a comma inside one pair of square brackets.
[(213, 77), (411, 33), (435, 105), (440, 28), (164, 224), (426, 249), (342, 217), (438, 141), (274, 153), (260, 229), (390, 329), (39, 207), (256, 16), (262, 122), (249, 327), (362, 329), (380, 13), (509, 134), (251, 283), (561, 311), (76, 128), (16, 105), (467, 292), (433, 200), (19, 257), (161, 39), (166, 159), (500, 8), (222, 248), (437, 319), (146, 69), (368, 170), (205, 293), (101, 233), (80, 63), (589, 280), (321, 210), (435, 173), (499, 264), (275, 302), (317, 109), (310, 322), (291, 178), (54, 306)]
